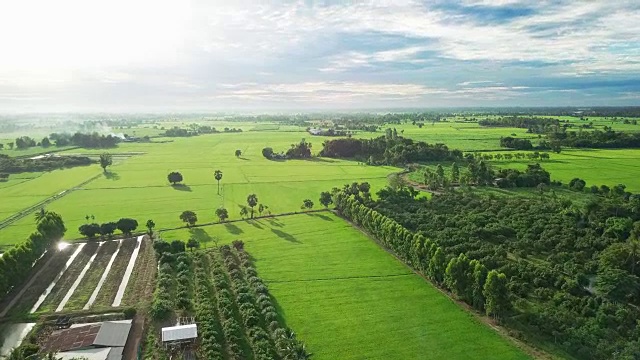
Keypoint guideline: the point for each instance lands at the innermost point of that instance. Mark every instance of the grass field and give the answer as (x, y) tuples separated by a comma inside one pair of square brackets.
[(137, 187), (463, 136), (349, 299)]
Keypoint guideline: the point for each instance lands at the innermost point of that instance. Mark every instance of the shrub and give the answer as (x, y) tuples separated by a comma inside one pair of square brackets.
[(129, 313)]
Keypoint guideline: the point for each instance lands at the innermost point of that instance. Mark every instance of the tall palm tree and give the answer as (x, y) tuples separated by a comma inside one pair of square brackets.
[(40, 214), (218, 175)]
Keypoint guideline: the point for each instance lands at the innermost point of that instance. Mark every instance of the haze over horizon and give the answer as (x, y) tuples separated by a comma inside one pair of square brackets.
[(170, 55)]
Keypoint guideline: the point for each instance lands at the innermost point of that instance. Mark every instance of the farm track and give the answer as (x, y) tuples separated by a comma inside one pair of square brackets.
[(89, 281), (30, 209), (127, 273), (103, 275), (141, 288), (110, 286), (63, 285)]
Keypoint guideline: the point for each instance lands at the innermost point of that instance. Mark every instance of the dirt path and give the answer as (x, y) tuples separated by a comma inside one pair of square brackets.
[(26, 287), (53, 283), (94, 295), (130, 350), (127, 273), (75, 284)]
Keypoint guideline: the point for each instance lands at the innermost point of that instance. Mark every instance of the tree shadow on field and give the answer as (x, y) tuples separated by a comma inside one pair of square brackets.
[(279, 310), (233, 229), (110, 175), (274, 222), (201, 235), (286, 236), (320, 159), (321, 216), (255, 223), (181, 187)]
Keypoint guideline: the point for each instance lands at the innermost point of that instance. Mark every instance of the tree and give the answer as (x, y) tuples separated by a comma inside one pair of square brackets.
[(150, 225), (238, 153), (108, 228), (496, 294), (252, 201), (457, 277), (127, 225), (40, 214), (218, 176), (364, 187), (51, 226), (617, 285), (189, 217), (455, 173), (193, 244), (267, 152), (326, 199), (437, 266), (105, 160), (177, 247), (45, 142), (174, 177), (479, 278), (244, 211), (10, 144), (307, 204), (89, 230), (440, 172), (222, 214)]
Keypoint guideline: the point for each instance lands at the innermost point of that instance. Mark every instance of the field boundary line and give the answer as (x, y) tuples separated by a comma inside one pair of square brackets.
[(30, 209), (527, 348), (244, 220), (339, 278)]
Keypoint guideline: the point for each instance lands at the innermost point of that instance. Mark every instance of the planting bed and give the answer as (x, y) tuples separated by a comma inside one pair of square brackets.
[(110, 287), (91, 278)]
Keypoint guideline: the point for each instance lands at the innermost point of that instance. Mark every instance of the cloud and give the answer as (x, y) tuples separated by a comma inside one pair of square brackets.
[(426, 53)]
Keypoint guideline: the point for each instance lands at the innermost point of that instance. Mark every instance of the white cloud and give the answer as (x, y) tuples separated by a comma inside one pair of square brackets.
[(70, 49)]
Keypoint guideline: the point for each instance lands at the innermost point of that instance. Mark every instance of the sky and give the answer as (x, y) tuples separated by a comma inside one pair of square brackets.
[(206, 55)]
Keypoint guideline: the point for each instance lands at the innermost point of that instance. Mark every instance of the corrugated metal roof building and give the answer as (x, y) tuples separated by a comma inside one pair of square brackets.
[(179, 333), (113, 334)]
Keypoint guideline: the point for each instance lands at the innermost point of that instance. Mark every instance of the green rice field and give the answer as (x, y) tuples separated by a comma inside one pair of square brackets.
[(316, 265)]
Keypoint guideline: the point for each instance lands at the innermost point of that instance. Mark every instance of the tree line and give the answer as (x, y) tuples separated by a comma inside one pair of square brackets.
[(196, 129), (11, 165), (86, 140), (16, 263), (390, 149), (468, 279), (598, 139), (125, 225), (572, 271), (301, 150)]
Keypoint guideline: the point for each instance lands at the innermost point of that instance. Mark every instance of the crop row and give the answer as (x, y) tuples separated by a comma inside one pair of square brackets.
[(88, 284), (70, 275), (110, 287), (237, 347), (208, 325), (142, 282), (252, 319), (286, 343), (162, 304)]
